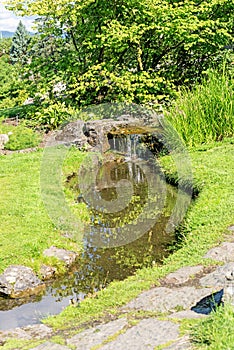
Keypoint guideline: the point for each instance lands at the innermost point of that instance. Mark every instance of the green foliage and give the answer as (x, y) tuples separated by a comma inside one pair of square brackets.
[(205, 113), (52, 115), (5, 45), (12, 88), (20, 41), (134, 51), (21, 137), (216, 331)]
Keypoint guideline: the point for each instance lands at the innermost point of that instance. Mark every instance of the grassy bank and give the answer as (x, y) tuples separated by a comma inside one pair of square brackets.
[(206, 222)]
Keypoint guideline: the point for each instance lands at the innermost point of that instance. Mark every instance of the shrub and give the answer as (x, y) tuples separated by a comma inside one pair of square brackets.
[(53, 115), (21, 137)]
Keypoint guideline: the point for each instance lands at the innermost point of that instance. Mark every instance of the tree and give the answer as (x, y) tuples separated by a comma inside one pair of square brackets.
[(5, 45), (132, 50), (20, 42)]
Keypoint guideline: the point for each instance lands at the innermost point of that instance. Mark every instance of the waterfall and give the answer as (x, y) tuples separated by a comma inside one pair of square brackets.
[(127, 144)]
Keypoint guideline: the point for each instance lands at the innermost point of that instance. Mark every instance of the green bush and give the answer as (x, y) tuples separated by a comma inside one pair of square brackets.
[(21, 137), (205, 113), (53, 115)]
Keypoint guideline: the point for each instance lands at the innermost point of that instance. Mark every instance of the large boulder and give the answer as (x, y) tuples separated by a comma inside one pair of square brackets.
[(72, 134), (94, 135), (18, 281)]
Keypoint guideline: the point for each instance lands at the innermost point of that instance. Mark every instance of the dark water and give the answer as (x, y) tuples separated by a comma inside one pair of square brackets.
[(116, 244), (209, 303)]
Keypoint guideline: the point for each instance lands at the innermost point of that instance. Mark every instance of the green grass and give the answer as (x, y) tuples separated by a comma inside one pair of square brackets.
[(21, 137), (26, 229), (205, 113), (216, 331)]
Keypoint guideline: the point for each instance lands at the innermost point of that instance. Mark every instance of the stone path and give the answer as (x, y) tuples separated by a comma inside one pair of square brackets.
[(172, 301)]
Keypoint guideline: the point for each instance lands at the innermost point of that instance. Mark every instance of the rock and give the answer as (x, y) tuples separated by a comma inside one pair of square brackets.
[(18, 281), (182, 275), (4, 138), (38, 331), (180, 344), (228, 293), (225, 252), (147, 334), (217, 278), (18, 333), (164, 299), (72, 134), (67, 256), (186, 314), (96, 132), (47, 272), (93, 135), (96, 335), (5, 286), (51, 346)]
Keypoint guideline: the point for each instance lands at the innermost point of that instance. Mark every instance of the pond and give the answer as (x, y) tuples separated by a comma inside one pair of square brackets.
[(110, 259)]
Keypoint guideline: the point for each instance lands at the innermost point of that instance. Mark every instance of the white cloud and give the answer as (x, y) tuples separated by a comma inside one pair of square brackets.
[(9, 21)]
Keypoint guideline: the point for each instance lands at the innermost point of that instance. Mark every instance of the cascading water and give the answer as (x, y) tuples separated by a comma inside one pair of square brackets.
[(126, 144)]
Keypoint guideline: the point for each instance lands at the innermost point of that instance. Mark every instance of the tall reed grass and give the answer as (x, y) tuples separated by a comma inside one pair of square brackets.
[(205, 113)]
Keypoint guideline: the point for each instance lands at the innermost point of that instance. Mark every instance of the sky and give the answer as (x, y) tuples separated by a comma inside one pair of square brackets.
[(9, 22)]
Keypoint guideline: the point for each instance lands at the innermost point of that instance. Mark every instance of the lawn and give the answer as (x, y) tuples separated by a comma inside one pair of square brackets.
[(26, 229)]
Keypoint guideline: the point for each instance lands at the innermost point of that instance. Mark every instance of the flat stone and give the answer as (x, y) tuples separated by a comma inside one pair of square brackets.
[(163, 299), (38, 331), (231, 228), (18, 280), (18, 333), (181, 344), (217, 278), (183, 275), (96, 335), (67, 256), (224, 252), (186, 314), (51, 346), (147, 334)]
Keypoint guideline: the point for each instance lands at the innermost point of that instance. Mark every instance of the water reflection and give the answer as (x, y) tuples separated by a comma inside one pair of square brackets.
[(115, 263), (98, 266)]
